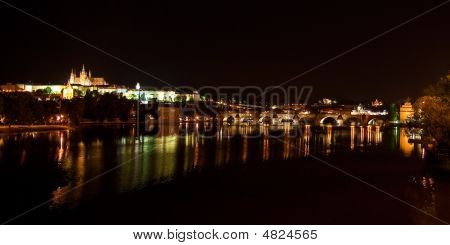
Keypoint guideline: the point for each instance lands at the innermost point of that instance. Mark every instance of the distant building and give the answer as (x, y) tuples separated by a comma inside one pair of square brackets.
[(406, 112), (86, 79), (377, 103), (67, 92), (360, 110), (9, 87), (84, 82), (326, 101)]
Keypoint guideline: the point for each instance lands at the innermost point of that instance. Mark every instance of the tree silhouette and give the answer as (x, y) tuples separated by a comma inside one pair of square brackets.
[(433, 111)]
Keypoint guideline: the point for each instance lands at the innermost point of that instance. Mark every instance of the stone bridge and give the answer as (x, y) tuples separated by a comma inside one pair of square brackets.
[(342, 118)]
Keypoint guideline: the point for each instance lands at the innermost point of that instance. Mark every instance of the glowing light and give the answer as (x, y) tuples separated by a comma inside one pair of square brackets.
[(306, 139), (423, 153), (328, 140), (352, 137), (369, 134), (377, 103), (362, 135), (406, 147)]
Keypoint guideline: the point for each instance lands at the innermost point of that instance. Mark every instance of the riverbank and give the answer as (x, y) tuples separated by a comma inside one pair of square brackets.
[(31, 128), (35, 128)]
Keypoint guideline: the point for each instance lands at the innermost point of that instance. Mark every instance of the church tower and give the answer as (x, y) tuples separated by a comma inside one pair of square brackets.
[(84, 79), (72, 77)]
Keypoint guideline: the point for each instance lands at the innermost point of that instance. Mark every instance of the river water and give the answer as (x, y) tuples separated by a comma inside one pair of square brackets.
[(207, 174)]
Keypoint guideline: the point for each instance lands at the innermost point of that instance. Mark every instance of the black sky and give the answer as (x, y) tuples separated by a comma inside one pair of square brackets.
[(232, 43)]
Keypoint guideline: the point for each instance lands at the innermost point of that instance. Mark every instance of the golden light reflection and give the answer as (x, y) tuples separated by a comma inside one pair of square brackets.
[(378, 136), (328, 139), (423, 153), (306, 139), (164, 159), (165, 155), (286, 145), (369, 134), (266, 145), (60, 150), (59, 196), (196, 152), (406, 147), (352, 137), (361, 136)]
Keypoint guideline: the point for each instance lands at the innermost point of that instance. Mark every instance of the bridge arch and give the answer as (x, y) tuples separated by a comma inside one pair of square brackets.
[(265, 120), (375, 122), (229, 119), (328, 120)]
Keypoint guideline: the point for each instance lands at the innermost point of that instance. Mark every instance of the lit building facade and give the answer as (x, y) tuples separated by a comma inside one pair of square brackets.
[(360, 110), (86, 79), (377, 103), (406, 112), (77, 86)]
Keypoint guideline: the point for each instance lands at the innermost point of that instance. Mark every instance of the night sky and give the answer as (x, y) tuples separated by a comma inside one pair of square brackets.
[(232, 43)]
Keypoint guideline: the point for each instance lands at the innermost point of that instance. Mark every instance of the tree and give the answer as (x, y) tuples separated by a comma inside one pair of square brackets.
[(27, 108), (124, 108), (433, 111), (90, 106), (393, 112), (48, 90), (74, 109), (441, 88), (107, 106), (18, 108)]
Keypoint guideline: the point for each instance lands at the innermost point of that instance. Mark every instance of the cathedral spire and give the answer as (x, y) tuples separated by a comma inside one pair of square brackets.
[(72, 77)]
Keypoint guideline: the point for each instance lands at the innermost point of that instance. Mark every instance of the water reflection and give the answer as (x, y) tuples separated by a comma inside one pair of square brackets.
[(378, 137), (167, 152), (352, 137), (422, 194), (406, 147), (361, 142), (305, 142)]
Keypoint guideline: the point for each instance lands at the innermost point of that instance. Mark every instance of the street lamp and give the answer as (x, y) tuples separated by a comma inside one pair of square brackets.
[(138, 88)]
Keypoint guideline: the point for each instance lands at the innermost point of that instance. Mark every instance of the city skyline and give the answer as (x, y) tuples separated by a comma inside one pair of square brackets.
[(176, 44), (233, 113), (83, 76)]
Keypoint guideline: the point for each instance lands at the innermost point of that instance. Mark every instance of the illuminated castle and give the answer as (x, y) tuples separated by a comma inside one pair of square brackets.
[(86, 79)]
